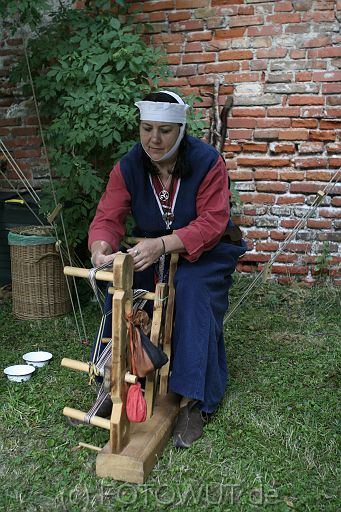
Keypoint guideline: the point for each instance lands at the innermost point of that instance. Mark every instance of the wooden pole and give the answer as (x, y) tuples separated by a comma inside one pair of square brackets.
[(122, 303)]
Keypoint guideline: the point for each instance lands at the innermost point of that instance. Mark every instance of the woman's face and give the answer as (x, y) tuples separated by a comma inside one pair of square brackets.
[(158, 137)]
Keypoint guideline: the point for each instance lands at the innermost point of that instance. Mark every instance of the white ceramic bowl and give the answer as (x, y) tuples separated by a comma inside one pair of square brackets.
[(19, 372), (37, 359)]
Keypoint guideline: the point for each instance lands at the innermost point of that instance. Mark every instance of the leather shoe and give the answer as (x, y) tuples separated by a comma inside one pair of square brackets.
[(189, 425)]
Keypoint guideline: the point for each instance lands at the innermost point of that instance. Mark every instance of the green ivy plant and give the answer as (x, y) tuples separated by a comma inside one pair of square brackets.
[(88, 68)]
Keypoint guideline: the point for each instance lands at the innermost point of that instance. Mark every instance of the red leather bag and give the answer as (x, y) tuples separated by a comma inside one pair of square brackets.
[(136, 407)]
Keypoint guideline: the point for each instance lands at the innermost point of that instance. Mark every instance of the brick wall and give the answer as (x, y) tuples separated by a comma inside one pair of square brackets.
[(280, 60), (281, 63), (18, 122)]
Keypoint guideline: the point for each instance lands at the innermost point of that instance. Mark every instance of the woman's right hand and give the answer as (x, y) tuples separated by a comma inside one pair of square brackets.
[(101, 252)]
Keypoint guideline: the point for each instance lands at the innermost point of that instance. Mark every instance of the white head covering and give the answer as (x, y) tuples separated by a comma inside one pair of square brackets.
[(165, 112)]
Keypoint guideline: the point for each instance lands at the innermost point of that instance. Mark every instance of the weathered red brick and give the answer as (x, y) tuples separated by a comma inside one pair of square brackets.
[(258, 65), (319, 224), (282, 148), (243, 21), (199, 36), (255, 148), (290, 199), (221, 67), (272, 53), (294, 134), (201, 80), (265, 174), (333, 112), (311, 147), (174, 59), (297, 54), (304, 99), (256, 257), (303, 76), (26, 153), (286, 258), (289, 223), (248, 111), (322, 135), (173, 82), (240, 122), (310, 162), (278, 235), (328, 76), (335, 161), (294, 17), (263, 162), (179, 16), (318, 42), (241, 175), (284, 269), (185, 26), (330, 123), (230, 33), (257, 198), (292, 175), (329, 51), (241, 77), (271, 187), (240, 134), (304, 123), (297, 28), (266, 246), (312, 112), (246, 10), (235, 55), (330, 213), (14, 121), (318, 16), (331, 88), (198, 57), (186, 70), (193, 47), (298, 247), (257, 234), (305, 187), (274, 122), (284, 112), (333, 100), (283, 6), (189, 4), (173, 48), (234, 148), (268, 30), (265, 134), (334, 148)]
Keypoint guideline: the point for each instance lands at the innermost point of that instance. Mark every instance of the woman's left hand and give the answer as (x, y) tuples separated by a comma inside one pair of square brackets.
[(146, 252)]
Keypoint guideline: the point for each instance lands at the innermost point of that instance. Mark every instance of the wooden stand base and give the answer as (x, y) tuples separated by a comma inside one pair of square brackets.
[(147, 440)]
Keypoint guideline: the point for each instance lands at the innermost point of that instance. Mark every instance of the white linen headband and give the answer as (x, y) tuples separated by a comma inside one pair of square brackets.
[(165, 112)]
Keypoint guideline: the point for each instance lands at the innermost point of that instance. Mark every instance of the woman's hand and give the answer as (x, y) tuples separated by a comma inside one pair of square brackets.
[(101, 252), (146, 252)]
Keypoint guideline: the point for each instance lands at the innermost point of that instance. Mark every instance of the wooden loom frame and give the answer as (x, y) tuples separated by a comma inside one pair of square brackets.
[(133, 448)]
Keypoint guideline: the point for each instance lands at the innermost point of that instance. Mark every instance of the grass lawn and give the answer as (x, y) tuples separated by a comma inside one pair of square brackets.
[(274, 443)]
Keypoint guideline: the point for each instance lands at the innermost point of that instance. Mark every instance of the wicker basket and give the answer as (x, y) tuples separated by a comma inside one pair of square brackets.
[(39, 288)]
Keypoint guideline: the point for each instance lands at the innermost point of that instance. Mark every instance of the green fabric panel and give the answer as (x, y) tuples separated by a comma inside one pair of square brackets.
[(16, 239)]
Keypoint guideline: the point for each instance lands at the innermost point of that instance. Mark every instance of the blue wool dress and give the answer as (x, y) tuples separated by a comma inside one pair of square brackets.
[(198, 365)]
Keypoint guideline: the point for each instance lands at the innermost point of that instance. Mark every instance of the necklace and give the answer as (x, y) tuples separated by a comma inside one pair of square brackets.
[(164, 194)]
